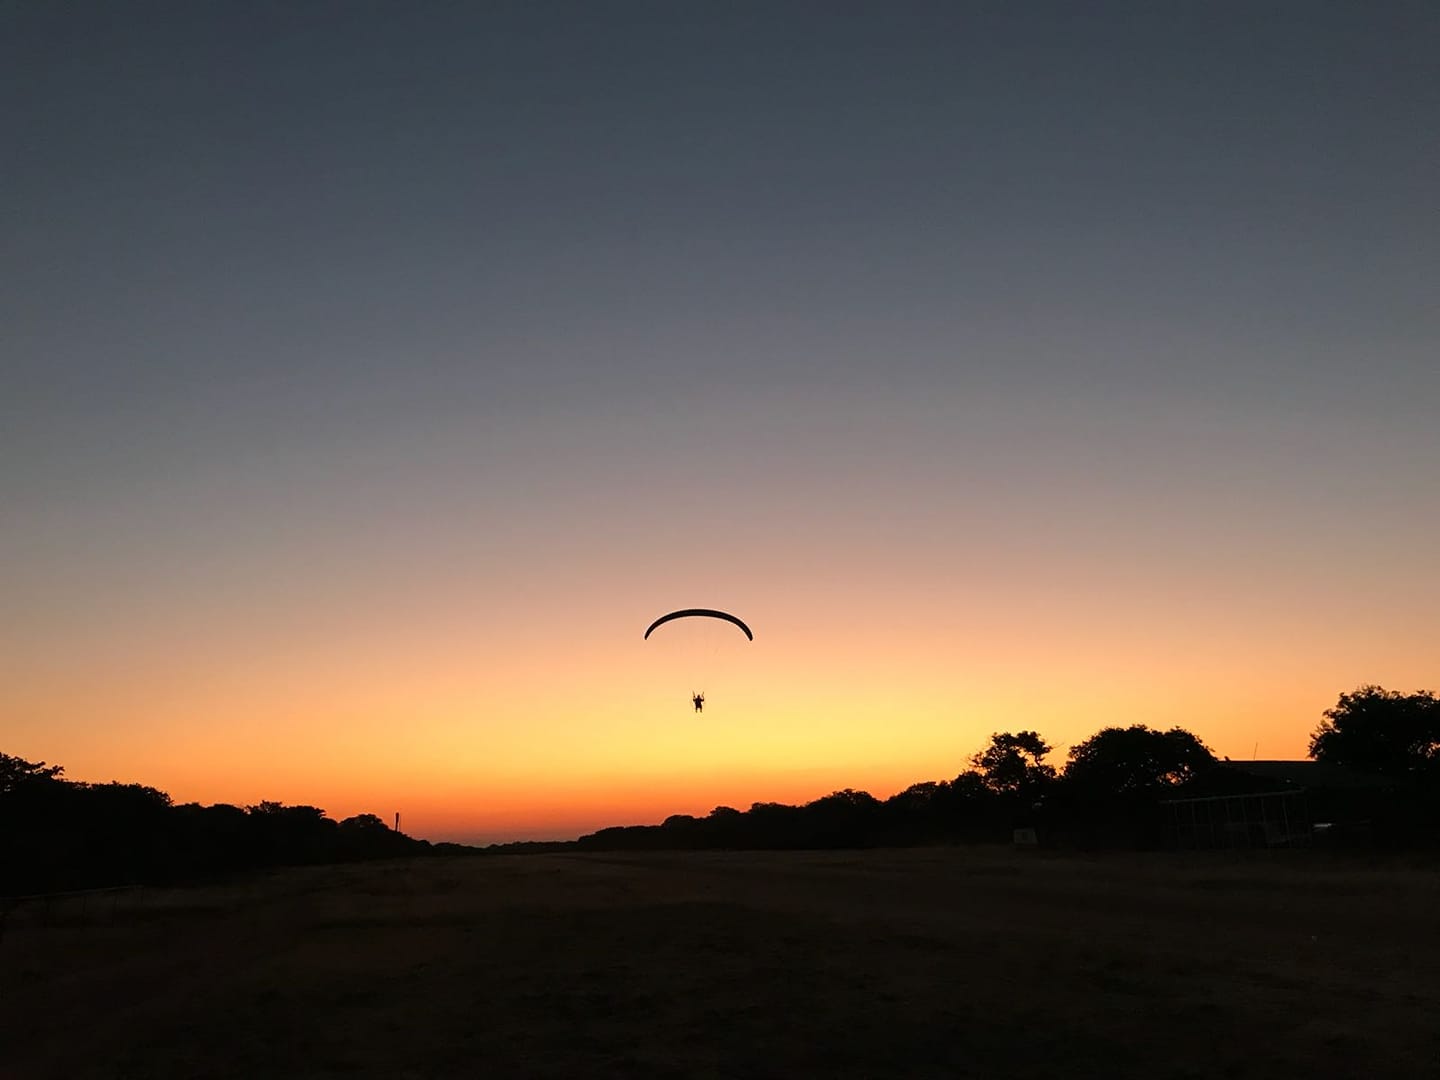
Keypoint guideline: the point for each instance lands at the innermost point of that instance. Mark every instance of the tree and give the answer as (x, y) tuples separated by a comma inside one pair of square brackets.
[(968, 787), (364, 822), (1012, 763), (1135, 760), (1381, 731), (841, 819), (15, 771), (847, 799), (918, 797)]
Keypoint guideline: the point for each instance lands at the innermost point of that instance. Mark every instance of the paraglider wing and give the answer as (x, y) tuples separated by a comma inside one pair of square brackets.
[(708, 613)]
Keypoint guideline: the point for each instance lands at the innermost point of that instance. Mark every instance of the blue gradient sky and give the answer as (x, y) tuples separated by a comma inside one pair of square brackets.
[(336, 337)]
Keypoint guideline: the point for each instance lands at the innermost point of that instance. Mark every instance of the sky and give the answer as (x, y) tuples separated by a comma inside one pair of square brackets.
[(371, 374)]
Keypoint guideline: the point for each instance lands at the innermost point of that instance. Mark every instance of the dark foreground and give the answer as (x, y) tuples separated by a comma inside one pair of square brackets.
[(926, 963)]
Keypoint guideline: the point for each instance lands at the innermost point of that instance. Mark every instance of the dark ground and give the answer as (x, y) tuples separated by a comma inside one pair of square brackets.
[(919, 963)]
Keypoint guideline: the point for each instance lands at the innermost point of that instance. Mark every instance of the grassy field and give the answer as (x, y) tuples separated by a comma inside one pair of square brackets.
[(920, 963)]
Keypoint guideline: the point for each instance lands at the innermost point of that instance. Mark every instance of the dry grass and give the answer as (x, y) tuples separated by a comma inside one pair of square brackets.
[(925, 963)]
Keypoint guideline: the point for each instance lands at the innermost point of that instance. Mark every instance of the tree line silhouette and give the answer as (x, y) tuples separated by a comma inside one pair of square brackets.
[(1109, 792), (57, 834)]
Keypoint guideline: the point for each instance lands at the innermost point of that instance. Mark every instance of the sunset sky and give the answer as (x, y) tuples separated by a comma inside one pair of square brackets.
[(371, 374)]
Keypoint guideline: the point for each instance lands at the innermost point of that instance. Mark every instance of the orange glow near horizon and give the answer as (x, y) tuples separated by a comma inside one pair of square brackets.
[(503, 720)]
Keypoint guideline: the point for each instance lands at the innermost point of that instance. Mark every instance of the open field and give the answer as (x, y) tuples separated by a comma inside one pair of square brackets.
[(919, 963)]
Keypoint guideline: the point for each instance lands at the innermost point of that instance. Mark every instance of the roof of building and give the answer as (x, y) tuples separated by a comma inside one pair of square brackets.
[(1311, 774), (1267, 777)]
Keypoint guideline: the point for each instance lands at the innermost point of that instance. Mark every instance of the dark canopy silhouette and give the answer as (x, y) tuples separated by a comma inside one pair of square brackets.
[(707, 613), (1135, 760), (1381, 731)]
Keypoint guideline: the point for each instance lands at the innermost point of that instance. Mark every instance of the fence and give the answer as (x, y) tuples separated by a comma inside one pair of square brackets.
[(1266, 819)]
